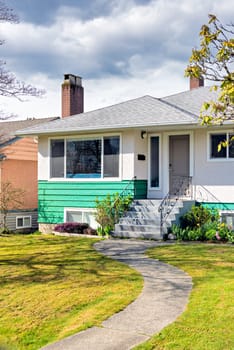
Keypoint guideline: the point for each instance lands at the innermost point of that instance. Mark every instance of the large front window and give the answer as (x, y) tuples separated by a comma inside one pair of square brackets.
[(85, 158)]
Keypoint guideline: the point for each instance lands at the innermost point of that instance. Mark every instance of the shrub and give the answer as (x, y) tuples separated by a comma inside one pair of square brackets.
[(180, 233), (222, 232), (211, 234), (202, 224), (187, 234), (197, 216), (109, 210), (230, 236), (196, 234), (71, 227)]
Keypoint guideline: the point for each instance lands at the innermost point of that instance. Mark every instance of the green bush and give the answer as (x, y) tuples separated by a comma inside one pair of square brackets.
[(210, 229), (230, 236), (202, 224), (197, 216), (109, 210)]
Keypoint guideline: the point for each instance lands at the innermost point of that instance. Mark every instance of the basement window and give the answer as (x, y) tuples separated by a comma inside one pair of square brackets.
[(82, 215), (228, 218), (23, 222)]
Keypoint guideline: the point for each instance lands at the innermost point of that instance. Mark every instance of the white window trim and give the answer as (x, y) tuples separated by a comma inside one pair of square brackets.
[(83, 210), (24, 217), (209, 159), (223, 213), (82, 137), (93, 210)]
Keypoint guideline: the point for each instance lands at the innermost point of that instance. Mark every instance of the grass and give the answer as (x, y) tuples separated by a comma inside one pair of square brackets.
[(52, 287), (208, 322)]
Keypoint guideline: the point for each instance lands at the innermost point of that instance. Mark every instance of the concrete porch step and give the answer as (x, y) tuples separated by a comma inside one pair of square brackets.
[(141, 215), (137, 228), (143, 235), (139, 220), (143, 219), (142, 209), (147, 202)]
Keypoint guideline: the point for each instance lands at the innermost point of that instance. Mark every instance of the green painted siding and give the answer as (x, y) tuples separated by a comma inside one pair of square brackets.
[(219, 206), (53, 197)]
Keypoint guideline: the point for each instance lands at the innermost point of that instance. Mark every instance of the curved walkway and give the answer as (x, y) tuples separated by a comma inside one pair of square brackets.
[(163, 299)]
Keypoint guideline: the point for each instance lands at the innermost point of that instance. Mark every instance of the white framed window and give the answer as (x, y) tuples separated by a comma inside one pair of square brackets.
[(82, 215), (225, 152), (155, 161), (91, 158), (228, 218), (23, 221)]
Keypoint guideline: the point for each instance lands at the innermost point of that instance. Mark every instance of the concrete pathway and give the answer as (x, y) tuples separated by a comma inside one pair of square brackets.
[(163, 299)]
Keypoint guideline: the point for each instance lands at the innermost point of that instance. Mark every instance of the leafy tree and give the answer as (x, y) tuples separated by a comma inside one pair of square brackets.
[(214, 60), (10, 86), (10, 197)]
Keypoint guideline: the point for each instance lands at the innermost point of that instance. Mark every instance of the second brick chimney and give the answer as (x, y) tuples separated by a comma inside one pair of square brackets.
[(196, 82), (72, 95)]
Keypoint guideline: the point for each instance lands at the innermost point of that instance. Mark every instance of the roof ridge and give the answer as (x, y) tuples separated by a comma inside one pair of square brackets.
[(179, 108), (113, 105), (186, 91)]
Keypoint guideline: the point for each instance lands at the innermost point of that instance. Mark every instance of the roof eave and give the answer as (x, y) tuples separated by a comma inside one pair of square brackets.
[(34, 133)]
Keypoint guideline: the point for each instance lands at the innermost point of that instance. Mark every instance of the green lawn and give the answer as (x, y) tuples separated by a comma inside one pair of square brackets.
[(54, 286), (208, 322)]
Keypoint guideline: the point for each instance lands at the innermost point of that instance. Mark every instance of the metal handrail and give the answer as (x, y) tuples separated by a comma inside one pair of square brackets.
[(170, 200), (210, 194), (123, 191)]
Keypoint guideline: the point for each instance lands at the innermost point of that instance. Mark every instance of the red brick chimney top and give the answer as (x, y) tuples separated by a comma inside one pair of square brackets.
[(196, 82), (72, 95)]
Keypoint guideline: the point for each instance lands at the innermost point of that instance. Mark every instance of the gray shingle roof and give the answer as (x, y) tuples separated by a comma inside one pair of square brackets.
[(192, 100), (145, 111), (8, 129)]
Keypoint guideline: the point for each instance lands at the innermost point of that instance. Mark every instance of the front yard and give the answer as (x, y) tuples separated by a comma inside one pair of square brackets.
[(52, 287), (208, 321)]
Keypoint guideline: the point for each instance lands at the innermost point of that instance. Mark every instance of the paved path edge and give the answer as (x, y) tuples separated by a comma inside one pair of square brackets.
[(164, 297)]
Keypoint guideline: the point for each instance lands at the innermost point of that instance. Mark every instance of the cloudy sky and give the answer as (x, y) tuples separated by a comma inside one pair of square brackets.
[(122, 49)]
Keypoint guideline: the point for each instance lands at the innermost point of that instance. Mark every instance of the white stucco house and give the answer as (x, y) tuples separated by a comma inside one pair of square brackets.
[(154, 146)]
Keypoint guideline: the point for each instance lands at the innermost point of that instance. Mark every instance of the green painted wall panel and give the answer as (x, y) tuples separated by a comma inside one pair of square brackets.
[(219, 206), (53, 197)]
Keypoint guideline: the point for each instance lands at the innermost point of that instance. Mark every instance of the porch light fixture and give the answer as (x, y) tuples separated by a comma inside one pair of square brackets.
[(143, 134)]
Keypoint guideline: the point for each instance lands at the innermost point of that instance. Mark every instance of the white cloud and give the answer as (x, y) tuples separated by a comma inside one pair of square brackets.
[(131, 51)]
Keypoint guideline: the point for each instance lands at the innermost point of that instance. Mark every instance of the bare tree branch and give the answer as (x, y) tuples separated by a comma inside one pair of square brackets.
[(7, 14), (10, 86)]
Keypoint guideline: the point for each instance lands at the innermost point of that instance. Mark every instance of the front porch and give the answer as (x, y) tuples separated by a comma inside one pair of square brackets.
[(144, 219), (152, 218)]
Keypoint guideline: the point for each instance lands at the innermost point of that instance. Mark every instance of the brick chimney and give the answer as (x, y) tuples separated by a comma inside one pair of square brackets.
[(72, 95), (196, 82)]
